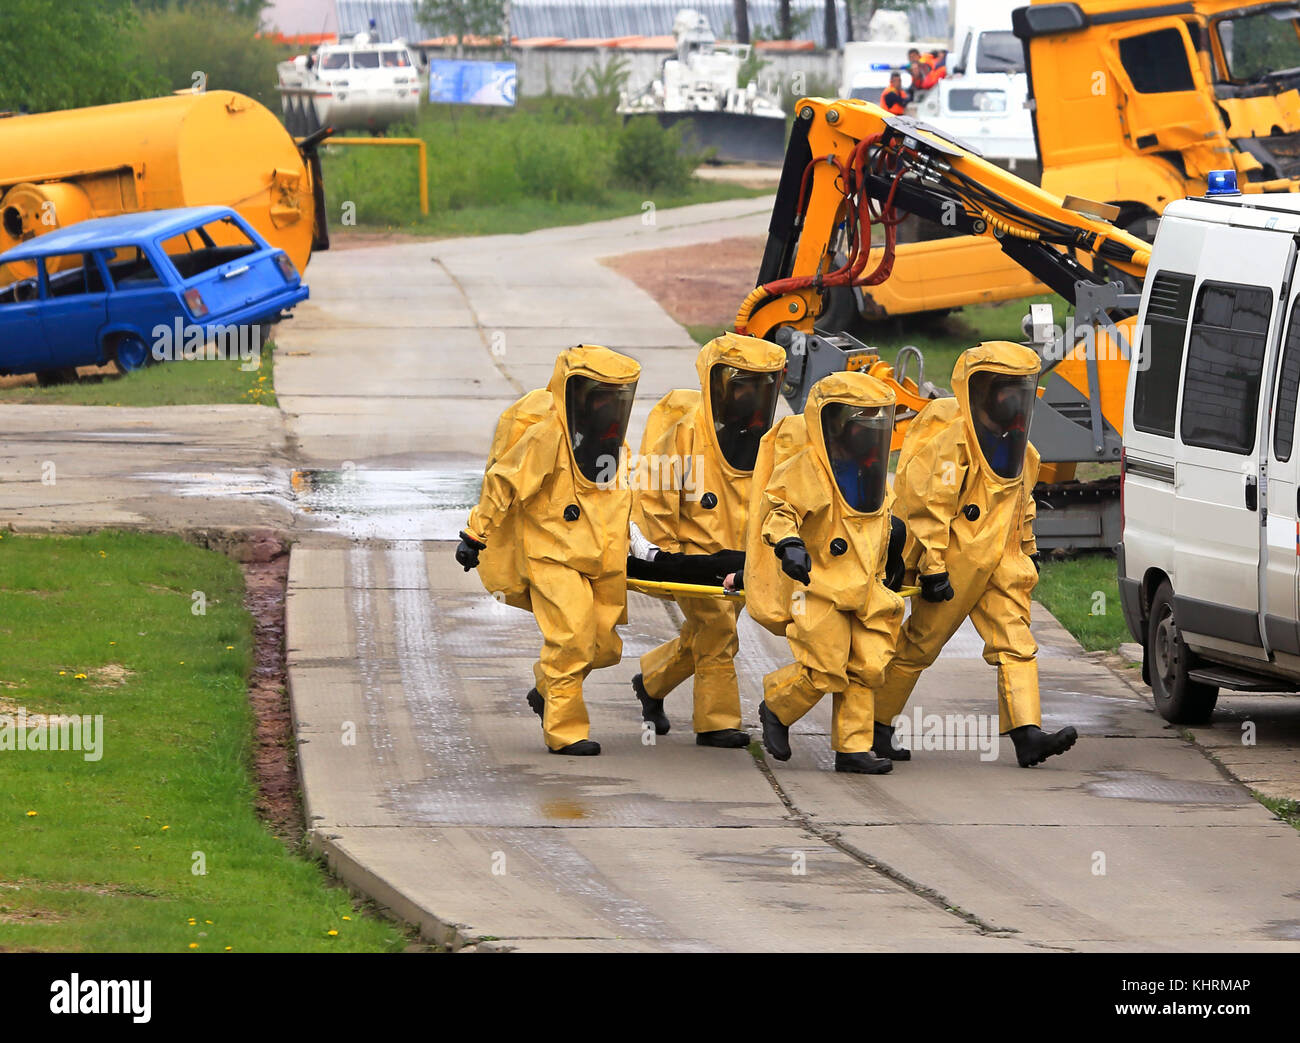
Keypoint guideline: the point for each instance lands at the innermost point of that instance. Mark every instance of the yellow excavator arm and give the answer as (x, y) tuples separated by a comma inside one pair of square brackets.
[(852, 171)]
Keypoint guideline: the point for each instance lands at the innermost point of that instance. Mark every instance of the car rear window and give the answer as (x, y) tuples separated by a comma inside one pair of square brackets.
[(207, 246), (131, 269)]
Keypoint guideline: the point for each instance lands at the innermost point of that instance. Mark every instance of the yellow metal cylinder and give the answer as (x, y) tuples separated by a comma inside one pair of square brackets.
[(187, 149)]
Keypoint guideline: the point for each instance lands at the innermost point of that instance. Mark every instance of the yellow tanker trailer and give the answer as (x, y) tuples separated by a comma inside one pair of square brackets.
[(187, 149)]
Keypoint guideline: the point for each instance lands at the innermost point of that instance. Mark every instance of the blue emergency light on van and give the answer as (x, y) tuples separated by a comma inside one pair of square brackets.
[(1221, 183)]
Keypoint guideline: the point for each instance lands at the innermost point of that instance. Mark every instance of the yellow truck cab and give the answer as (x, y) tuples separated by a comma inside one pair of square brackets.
[(1136, 105)]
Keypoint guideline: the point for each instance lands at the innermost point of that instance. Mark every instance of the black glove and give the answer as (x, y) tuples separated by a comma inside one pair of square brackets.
[(467, 552), (936, 587), (894, 555), (795, 562), (1034, 558)]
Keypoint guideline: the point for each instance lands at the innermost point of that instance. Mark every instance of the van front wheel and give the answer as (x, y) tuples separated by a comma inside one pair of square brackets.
[(1179, 699)]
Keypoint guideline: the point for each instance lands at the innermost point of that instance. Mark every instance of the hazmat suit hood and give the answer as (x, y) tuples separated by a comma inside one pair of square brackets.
[(593, 388), (996, 386), (841, 407), (740, 381)]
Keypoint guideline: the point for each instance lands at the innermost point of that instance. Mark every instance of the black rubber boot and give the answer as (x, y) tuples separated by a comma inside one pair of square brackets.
[(723, 738), (581, 748), (863, 763), (652, 710), (1033, 745), (882, 744), (776, 736), (537, 704)]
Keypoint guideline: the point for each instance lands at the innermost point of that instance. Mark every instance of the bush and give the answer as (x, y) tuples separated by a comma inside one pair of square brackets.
[(650, 157)]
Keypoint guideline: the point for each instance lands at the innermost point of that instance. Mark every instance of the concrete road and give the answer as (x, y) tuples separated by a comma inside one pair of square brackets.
[(426, 779)]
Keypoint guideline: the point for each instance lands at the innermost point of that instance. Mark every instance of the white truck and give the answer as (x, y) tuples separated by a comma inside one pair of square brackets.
[(1210, 556), (357, 84), (699, 89)]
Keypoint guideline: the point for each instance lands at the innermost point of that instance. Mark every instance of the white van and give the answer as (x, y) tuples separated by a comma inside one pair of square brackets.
[(1209, 559)]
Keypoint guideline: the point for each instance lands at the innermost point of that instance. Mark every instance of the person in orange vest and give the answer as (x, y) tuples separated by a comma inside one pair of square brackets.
[(939, 69), (894, 98)]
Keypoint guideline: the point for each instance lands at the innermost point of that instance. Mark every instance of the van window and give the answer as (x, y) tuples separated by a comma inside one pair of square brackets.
[(1288, 388), (131, 269), (335, 60), (1155, 393), (1225, 359), (1156, 62), (365, 60)]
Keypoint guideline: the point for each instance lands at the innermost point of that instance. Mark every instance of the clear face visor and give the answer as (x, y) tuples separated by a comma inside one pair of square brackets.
[(743, 403), (1001, 408), (598, 414), (857, 449)]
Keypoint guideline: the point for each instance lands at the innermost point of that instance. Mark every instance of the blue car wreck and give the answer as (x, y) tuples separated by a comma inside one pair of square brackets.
[(144, 287)]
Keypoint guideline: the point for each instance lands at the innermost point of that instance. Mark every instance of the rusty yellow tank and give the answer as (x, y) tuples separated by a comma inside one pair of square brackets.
[(187, 149)]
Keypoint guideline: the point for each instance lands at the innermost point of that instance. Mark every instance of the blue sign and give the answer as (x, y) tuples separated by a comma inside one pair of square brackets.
[(459, 82)]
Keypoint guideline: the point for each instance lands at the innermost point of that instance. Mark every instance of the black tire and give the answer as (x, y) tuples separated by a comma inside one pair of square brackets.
[(1178, 699), (47, 378)]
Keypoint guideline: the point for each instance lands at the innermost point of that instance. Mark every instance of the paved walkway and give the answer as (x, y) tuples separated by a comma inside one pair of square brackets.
[(426, 779)]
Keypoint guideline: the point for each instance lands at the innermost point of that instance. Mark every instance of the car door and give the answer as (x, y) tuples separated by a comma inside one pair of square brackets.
[(1237, 312), (74, 309), (23, 348), (1281, 567)]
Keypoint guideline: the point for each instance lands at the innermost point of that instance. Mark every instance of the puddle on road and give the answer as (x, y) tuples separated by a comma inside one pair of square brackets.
[(359, 503), (1159, 789)]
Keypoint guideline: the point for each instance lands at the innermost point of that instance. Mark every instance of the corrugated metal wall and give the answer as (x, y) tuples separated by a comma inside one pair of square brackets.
[(576, 19)]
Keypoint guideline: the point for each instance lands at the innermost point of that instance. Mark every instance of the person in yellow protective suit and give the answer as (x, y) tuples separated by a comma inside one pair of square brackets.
[(551, 526), (823, 514), (710, 438), (964, 490)]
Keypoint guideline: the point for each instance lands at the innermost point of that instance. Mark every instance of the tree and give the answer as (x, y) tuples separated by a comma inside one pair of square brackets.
[(462, 18), (784, 29), (206, 45), (832, 30), (66, 56), (741, 9)]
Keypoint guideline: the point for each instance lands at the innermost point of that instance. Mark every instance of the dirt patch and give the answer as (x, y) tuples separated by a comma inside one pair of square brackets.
[(361, 240), (697, 286), (279, 801), (110, 675)]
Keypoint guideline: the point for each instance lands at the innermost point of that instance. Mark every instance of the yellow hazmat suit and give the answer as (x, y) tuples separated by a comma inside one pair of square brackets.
[(709, 439), (964, 489), (553, 515), (827, 488)]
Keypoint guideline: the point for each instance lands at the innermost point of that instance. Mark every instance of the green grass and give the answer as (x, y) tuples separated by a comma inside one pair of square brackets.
[(1287, 810), (103, 625), (1083, 593), (163, 384), (549, 161)]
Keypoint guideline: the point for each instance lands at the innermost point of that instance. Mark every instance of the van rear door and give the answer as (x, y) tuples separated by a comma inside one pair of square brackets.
[(1237, 313)]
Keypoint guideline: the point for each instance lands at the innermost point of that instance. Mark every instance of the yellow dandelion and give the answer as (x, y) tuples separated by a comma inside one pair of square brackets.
[(347, 918), (79, 677), (207, 921), (31, 814), (103, 554), (62, 673), (112, 642), (191, 921), (165, 828), (331, 932), (194, 945), (229, 647), (136, 848)]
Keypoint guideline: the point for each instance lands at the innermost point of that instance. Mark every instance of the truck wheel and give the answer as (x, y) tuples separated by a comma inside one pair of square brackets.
[(1178, 699), (130, 353)]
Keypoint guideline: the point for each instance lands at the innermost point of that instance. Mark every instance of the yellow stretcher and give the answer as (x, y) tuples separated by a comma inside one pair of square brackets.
[(667, 591)]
